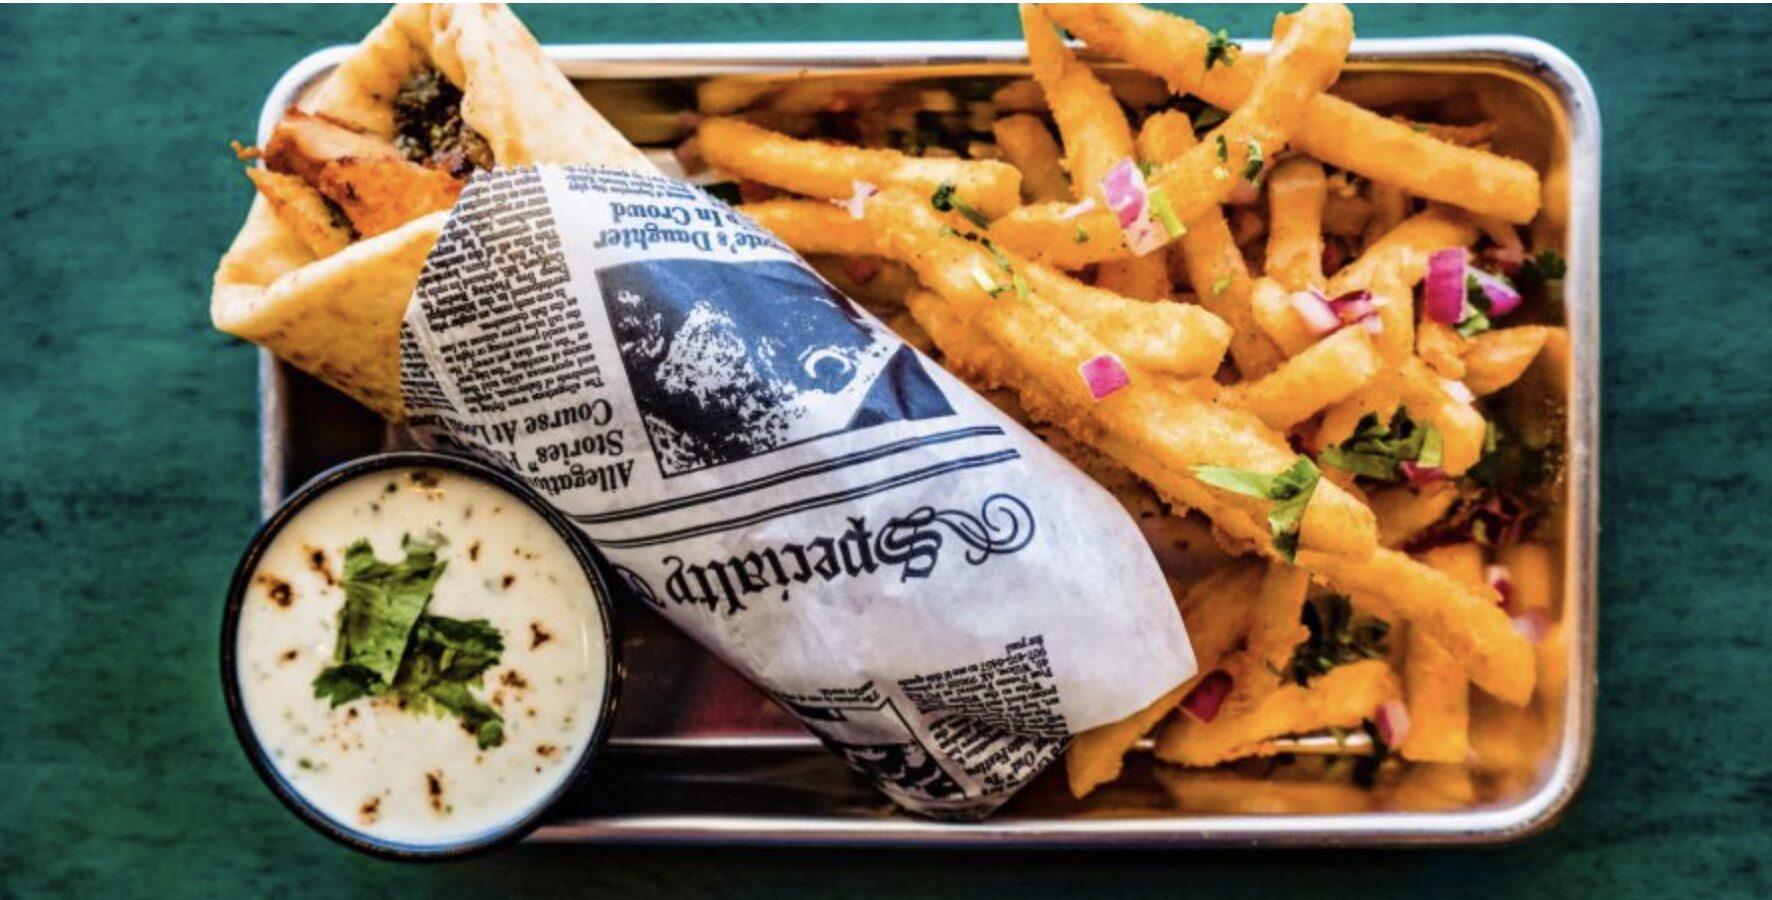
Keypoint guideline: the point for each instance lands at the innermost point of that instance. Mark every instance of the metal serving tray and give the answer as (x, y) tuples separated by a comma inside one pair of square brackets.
[(698, 756)]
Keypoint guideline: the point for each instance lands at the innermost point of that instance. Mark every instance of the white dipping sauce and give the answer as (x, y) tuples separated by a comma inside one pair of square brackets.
[(403, 776)]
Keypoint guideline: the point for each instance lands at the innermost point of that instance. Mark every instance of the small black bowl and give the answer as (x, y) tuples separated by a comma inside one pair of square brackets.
[(261, 763)]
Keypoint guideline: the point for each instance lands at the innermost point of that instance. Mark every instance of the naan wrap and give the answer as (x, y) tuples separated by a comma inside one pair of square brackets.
[(356, 187)]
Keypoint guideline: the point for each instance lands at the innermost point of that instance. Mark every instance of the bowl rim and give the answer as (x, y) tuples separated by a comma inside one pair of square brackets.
[(602, 601)]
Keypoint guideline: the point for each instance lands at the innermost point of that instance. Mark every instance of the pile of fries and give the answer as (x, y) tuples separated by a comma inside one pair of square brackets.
[(1285, 331)]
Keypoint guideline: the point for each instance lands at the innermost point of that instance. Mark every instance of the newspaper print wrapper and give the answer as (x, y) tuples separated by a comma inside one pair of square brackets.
[(939, 597)]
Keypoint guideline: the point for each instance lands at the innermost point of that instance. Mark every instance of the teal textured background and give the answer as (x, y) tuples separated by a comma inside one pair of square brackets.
[(128, 481)]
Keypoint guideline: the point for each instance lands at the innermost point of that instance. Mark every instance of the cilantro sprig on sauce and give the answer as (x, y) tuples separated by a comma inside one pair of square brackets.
[(388, 644)]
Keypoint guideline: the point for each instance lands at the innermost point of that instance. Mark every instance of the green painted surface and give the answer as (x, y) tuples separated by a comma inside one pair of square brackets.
[(127, 481)]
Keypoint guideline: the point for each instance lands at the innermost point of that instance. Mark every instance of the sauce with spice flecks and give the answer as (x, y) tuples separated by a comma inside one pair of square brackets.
[(405, 775)]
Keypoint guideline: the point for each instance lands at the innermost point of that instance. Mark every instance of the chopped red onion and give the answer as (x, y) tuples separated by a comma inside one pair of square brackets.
[(1124, 189), (1202, 703), (1503, 298), (1392, 720), (1506, 259), (1458, 390), (861, 269), (862, 191), (1419, 475), (1443, 293), (1532, 624), (1316, 312), (1497, 577), (1353, 308), (1077, 209), (1104, 375)]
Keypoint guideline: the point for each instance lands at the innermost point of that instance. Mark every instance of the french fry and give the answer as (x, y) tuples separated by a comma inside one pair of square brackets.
[(1406, 246), (1430, 788), (1495, 359), (1214, 264), (1154, 429), (830, 172), (1390, 206), (1093, 130), (814, 226), (1322, 375), (1096, 137), (1535, 573), (1465, 619), (878, 284), (1442, 348), (1309, 49), (1171, 338), (1379, 398), (1029, 147), (1342, 698), (1275, 626), (1054, 234), (1215, 610), (1271, 307), (1462, 428), (1434, 681), (1333, 130), (1296, 193), (1211, 791), (1405, 512), (1394, 292)]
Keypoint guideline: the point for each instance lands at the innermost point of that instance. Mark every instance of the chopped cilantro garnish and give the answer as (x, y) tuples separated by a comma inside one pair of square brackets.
[(1546, 265), (387, 643), (1166, 214), (945, 200), (1290, 490), (1219, 48), (1376, 451), (1147, 169), (1476, 309), (1252, 168), (1220, 285), (1336, 635), (1209, 117), (1082, 235), (1224, 150)]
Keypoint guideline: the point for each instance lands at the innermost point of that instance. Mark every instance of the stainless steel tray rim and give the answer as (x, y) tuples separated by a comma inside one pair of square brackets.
[(1523, 817)]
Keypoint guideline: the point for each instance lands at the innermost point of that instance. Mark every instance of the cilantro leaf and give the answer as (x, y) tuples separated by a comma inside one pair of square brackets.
[(1545, 265), (342, 684), (1252, 168), (1290, 490), (383, 602), (1219, 48), (1224, 150), (1377, 451), (945, 200), (1476, 309), (436, 660), (1335, 635), (1237, 481)]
